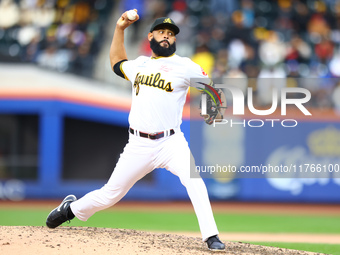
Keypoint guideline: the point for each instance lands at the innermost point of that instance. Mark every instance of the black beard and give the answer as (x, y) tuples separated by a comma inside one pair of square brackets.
[(160, 50)]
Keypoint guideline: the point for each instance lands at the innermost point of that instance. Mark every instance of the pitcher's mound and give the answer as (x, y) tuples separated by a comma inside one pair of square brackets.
[(81, 240)]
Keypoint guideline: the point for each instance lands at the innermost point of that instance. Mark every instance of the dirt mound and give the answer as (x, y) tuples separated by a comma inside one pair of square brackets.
[(80, 240)]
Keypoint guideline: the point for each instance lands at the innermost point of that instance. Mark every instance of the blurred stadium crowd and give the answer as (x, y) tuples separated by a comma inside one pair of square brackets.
[(63, 35), (284, 39)]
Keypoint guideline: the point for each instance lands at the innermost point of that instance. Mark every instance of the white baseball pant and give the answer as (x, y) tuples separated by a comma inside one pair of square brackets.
[(141, 156)]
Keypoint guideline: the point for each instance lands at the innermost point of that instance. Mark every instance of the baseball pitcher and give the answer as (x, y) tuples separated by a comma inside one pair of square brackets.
[(159, 87)]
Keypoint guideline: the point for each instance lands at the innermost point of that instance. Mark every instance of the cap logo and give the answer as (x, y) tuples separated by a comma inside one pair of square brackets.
[(167, 20)]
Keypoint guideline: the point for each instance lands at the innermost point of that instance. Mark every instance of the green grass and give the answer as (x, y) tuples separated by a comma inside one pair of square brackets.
[(176, 221), (320, 248), (278, 223)]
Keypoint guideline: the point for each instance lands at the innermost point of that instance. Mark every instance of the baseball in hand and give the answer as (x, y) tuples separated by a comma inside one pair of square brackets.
[(131, 15)]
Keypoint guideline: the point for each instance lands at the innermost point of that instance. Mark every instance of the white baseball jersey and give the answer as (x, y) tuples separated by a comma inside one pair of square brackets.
[(159, 90)]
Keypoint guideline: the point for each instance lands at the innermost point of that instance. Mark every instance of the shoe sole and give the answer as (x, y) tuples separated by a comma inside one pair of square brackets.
[(215, 250)]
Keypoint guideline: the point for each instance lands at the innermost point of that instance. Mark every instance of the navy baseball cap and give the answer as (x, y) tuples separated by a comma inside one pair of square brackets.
[(165, 22)]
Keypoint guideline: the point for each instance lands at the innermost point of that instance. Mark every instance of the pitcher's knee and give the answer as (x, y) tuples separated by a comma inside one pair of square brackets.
[(112, 194)]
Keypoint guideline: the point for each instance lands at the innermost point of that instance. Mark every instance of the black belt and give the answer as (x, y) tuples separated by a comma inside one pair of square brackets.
[(152, 136)]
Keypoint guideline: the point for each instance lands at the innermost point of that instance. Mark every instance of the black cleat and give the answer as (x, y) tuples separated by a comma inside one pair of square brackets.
[(215, 244), (60, 214)]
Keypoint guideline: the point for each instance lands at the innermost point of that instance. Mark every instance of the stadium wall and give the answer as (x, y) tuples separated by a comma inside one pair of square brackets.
[(82, 129)]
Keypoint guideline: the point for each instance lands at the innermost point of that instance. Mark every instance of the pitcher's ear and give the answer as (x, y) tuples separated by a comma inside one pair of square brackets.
[(150, 36)]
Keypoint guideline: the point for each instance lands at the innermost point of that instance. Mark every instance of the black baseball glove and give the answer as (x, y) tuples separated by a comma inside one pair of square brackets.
[(215, 104)]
